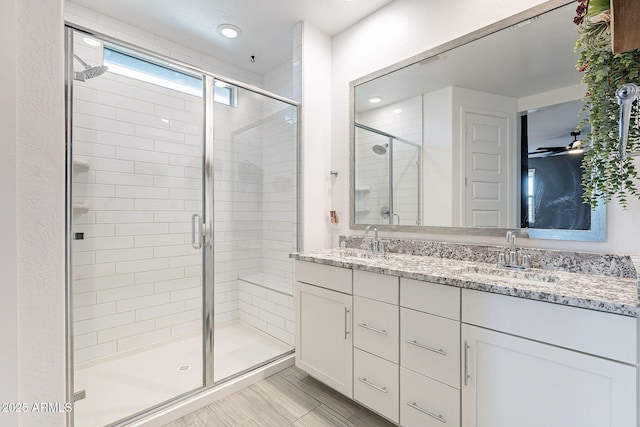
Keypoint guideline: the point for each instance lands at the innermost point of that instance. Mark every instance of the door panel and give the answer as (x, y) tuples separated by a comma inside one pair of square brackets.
[(486, 171), (137, 200)]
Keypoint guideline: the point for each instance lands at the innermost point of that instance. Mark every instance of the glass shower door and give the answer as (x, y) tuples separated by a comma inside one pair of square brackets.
[(406, 183), (255, 229), (136, 186)]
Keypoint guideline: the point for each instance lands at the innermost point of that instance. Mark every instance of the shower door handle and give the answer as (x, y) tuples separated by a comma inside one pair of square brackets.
[(196, 244)]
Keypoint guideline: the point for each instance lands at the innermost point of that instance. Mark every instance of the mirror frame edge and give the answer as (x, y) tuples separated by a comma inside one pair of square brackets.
[(598, 217)]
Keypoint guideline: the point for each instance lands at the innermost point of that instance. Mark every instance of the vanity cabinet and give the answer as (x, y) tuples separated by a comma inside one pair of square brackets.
[(530, 364), (324, 342), (426, 354)]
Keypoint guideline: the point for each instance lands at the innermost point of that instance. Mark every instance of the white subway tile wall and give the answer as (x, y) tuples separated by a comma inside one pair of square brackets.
[(137, 281), (269, 310), (132, 285), (255, 221), (404, 120)]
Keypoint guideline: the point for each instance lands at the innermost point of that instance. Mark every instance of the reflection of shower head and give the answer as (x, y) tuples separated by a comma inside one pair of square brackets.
[(88, 72), (380, 149)]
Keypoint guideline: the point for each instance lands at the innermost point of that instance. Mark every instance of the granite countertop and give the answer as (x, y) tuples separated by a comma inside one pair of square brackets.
[(618, 295)]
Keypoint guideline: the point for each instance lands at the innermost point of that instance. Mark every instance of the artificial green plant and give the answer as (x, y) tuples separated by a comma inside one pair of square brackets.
[(605, 176)]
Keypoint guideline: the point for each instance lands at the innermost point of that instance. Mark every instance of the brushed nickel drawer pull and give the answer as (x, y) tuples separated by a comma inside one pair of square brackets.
[(466, 363), (426, 347), (415, 406), (346, 323), (371, 328), (377, 387)]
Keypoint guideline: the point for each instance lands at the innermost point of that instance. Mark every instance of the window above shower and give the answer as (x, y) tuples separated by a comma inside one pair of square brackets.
[(122, 63)]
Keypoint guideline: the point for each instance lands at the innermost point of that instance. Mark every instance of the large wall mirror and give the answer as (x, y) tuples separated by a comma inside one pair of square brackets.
[(477, 136)]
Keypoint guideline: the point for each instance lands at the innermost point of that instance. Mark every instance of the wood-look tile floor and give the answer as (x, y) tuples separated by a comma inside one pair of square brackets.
[(288, 398)]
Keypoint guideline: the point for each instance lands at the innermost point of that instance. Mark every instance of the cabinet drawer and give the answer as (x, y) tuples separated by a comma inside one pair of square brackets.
[(431, 298), (430, 345), (427, 403), (376, 328), (376, 286), (376, 384), (325, 276)]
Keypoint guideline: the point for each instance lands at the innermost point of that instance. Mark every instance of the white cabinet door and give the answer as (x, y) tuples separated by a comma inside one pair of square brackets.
[(324, 336), (509, 381)]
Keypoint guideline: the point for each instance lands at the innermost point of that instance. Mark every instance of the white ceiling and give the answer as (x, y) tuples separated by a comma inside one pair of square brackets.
[(267, 25)]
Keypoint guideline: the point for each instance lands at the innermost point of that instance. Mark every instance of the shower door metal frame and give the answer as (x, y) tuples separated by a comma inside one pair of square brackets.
[(207, 212), (68, 94), (207, 274)]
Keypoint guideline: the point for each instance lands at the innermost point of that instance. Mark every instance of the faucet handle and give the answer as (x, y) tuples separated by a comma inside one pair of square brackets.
[(382, 246)]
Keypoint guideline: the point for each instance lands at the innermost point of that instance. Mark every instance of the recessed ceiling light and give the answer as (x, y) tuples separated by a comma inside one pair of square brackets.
[(91, 42), (229, 31), (375, 99), (397, 110)]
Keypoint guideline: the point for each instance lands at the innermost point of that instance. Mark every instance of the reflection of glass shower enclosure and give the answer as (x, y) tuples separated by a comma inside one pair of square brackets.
[(387, 186), (182, 210)]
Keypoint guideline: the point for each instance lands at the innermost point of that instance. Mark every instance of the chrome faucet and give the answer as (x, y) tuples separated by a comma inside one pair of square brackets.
[(513, 255), (375, 245), (375, 230)]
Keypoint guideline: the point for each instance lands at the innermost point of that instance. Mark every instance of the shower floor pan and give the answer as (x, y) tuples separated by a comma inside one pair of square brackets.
[(121, 387)]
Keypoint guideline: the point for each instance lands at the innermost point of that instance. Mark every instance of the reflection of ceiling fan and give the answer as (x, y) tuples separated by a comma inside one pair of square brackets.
[(574, 147)]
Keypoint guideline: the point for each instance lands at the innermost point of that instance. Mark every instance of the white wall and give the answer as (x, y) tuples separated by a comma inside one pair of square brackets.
[(40, 206), (316, 134), (8, 225), (408, 27), (437, 155)]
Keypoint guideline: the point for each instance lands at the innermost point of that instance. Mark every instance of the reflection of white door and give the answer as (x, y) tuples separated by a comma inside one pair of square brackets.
[(486, 170)]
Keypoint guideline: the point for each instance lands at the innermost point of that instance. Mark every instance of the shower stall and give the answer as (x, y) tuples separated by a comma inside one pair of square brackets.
[(388, 159), (182, 210), (387, 189)]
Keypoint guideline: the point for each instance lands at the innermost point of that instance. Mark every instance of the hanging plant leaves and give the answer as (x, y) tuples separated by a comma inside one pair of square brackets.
[(605, 177)]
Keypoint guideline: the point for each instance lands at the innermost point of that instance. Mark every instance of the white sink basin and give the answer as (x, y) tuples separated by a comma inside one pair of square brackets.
[(534, 278)]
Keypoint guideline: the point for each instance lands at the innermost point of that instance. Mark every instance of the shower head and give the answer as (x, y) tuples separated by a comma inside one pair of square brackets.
[(380, 149), (88, 72)]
